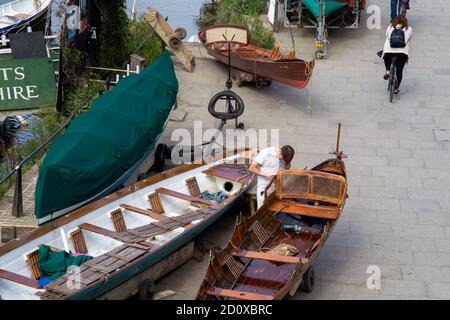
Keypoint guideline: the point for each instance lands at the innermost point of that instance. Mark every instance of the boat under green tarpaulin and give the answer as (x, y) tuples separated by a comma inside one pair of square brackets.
[(330, 6), (103, 146)]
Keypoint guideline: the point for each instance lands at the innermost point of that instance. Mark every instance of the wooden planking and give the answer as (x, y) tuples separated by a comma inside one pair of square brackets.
[(81, 212), (233, 173), (17, 278), (79, 243), (269, 257), (125, 236), (183, 196), (180, 219), (144, 212), (234, 294), (304, 210), (93, 270), (33, 264), (194, 189), (118, 220), (156, 203)]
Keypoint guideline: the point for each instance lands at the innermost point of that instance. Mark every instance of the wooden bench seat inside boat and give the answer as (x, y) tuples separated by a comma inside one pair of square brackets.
[(183, 196), (17, 278), (236, 174), (144, 212), (159, 217), (235, 294), (295, 208), (268, 257), (193, 187), (128, 236)]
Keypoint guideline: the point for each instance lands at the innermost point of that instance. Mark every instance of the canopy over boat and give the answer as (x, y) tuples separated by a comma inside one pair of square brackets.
[(105, 143), (14, 14), (330, 6)]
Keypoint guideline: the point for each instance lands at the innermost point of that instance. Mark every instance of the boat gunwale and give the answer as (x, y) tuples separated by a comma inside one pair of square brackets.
[(295, 278), (81, 212)]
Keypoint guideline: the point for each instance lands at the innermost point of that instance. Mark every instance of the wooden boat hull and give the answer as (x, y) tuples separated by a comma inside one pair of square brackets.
[(246, 57), (244, 270), (296, 74), (146, 235), (147, 261), (18, 7)]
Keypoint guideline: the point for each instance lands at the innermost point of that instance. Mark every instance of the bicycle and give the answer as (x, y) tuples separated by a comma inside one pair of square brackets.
[(393, 80)]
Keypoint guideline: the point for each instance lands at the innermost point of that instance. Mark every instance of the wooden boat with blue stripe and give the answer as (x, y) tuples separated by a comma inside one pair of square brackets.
[(18, 13), (126, 232), (271, 253)]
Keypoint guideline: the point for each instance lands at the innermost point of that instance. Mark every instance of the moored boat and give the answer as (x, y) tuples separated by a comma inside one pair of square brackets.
[(117, 237), (16, 14), (110, 144), (255, 62), (271, 253)]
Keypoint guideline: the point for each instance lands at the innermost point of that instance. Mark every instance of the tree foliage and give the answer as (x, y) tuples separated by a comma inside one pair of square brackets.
[(113, 33)]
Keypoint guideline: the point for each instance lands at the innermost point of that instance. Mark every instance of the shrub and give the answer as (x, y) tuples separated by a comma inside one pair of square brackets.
[(239, 12)]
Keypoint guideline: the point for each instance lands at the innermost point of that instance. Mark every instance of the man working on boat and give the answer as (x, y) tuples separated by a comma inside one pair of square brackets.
[(267, 164)]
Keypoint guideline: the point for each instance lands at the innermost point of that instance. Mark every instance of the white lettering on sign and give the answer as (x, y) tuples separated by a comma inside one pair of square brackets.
[(26, 93)]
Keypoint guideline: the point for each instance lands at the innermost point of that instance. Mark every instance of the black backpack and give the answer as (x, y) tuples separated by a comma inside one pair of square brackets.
[(398, 38)]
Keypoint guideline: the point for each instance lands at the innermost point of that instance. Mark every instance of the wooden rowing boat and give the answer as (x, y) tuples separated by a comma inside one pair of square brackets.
[(271, 253), (126, 232), (253, 62)]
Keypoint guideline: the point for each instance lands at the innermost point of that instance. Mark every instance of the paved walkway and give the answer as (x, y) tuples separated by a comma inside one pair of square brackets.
[(398, 214), (28, 221)]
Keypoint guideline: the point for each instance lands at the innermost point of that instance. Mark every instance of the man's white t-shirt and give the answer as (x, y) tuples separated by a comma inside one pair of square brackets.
[(270, 163)]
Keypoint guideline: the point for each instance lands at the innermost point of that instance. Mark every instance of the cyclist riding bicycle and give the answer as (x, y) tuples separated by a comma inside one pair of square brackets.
[(398, 36), (397, 6)]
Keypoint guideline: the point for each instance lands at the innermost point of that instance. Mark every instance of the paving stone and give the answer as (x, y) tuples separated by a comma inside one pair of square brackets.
[(438, 290)]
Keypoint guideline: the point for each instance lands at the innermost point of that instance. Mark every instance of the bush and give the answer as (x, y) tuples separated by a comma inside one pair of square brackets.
[(238, 12), (143, 38)]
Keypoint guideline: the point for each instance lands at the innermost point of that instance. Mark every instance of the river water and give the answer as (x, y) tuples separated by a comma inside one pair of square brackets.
[(180, 13)]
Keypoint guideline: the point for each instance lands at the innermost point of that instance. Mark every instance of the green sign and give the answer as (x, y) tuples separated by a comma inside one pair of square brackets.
[(26, 84)]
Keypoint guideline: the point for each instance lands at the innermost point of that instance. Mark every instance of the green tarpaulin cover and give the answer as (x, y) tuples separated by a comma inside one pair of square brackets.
[(53, 264), (330, 6), (102, 144)]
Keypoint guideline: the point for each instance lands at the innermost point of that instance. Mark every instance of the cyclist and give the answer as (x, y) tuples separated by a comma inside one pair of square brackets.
[(397, 32)]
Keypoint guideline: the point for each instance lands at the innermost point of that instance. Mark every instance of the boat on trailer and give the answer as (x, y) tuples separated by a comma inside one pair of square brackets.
[(270, 254), (16, 14), (126, 232), (323, 15), (252, 63)]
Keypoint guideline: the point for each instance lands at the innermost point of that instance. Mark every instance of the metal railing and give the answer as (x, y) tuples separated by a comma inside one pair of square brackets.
[(17, 209)]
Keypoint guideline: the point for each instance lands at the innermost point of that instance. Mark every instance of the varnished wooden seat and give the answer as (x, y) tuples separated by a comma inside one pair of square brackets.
[(155, 216), (78, 241), (183, 196), (17, 278), (269, 257), (124, 237), (33, 264), (235, 294), (118, 220), (193, 187), (156, 203), (144, 212), (295, 208)]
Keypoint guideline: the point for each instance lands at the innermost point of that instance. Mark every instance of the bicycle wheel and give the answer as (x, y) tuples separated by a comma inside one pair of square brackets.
[(392, 84)]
